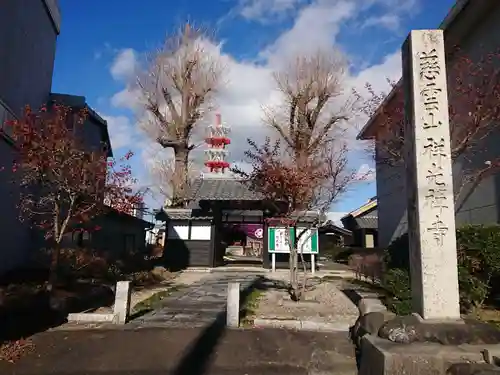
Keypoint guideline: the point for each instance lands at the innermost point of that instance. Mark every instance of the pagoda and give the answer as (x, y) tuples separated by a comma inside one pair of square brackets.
[(217, 140)]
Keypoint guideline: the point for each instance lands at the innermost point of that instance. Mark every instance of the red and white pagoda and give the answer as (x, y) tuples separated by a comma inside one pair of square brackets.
[(217, 141)]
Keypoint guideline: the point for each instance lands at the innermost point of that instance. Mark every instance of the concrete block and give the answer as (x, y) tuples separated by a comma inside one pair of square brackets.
[(382, 357), (122, 301), (369, 305), (233, 305), (307, 325), (277, 323), (92, 318)]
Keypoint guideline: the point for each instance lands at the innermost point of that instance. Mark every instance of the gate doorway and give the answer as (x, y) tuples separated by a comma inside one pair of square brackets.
[(241, 236)]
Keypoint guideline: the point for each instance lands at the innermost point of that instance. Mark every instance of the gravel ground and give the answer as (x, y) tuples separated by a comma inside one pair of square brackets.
[(324, 302)]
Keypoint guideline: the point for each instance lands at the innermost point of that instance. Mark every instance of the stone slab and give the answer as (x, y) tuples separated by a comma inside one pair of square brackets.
[(382, 357), (92, 318), (369, 305), (301, 325)]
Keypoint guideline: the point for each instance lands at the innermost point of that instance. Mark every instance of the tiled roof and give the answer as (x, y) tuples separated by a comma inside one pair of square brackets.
[(367, 222), (331, 227), (183, 214), (222, 189), (302, 217)]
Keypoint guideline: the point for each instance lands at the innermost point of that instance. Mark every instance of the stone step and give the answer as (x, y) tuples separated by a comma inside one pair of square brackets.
[(180, 317), (185, 305)]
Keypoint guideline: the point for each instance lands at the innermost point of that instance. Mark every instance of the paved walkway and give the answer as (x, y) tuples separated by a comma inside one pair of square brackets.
[(198, 304)]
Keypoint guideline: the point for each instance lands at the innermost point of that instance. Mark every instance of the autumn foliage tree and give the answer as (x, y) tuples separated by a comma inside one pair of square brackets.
[(176, 89), (63, 182), (474, 108), (295, 187)]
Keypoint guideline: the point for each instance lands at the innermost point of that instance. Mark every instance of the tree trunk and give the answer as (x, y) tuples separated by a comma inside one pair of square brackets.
[(180, 178), (54, 267), (292, 263)]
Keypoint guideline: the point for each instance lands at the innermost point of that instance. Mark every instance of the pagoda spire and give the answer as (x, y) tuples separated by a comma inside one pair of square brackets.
[(217, 141)]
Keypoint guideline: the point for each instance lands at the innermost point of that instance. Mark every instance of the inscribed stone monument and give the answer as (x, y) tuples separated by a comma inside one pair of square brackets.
[(431, 209)]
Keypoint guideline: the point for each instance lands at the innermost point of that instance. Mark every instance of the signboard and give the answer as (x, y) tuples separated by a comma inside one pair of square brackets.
[(308, 241), (278, 241)]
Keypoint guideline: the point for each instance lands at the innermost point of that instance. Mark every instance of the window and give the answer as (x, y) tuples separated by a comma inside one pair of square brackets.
[(178, 231), (201, 231), (82, 238), (6, 115), (129, 245)]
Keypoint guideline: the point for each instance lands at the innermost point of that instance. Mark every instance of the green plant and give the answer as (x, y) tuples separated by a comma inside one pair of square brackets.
[(478, 254), (250, 307), (478, 258), (396, 282)]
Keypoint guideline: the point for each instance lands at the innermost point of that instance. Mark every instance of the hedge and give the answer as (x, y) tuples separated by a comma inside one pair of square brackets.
[(478, 255)]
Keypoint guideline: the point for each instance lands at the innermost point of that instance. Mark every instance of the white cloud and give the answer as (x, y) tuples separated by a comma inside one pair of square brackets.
[(389, 21), (335, 217), (249, 84), (124, 64), (120, 130), (315, 27), (126, 98), (265, 10)]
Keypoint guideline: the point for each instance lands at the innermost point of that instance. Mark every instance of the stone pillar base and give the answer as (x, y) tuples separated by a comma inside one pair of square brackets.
[(382, 357)]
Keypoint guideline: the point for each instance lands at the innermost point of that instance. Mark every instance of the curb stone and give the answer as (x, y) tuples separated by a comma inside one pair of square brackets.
[(301, 325), (369, 302)]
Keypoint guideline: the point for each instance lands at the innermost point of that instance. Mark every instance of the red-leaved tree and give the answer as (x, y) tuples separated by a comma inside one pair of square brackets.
[(63, 181), (474, 108), (296, 185)]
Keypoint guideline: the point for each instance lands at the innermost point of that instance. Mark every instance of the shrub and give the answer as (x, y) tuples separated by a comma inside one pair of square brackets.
[(332, 251), (478, 252), (396, 282), (478, 256)]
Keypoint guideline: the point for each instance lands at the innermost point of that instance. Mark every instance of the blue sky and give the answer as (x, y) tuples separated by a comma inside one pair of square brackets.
[(102, 41)]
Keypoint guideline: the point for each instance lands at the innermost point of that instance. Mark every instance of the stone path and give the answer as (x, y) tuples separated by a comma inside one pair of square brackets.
[(198, 304)]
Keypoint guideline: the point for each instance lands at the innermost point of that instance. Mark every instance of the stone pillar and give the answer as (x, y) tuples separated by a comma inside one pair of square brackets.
[(233, 305), (122, 301), (429, 183)]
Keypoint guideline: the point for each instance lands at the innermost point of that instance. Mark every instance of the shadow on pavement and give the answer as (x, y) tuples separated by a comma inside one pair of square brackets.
[(198, 357)]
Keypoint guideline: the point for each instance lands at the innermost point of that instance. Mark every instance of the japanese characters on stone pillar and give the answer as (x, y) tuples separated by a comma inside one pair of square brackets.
[(431, 209)]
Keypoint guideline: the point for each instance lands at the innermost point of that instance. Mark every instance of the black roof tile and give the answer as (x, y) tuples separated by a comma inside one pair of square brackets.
[(222, 189)]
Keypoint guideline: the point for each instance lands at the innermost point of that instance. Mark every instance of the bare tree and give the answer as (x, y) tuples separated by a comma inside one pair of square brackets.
[(316, 105), (177, 88), (163, 175)]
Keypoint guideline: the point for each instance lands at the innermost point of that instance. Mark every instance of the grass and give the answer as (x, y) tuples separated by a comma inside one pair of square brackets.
[(250, 307), (153, 302)]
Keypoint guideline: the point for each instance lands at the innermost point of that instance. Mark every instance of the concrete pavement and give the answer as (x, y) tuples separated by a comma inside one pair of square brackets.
[(195, 351)]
